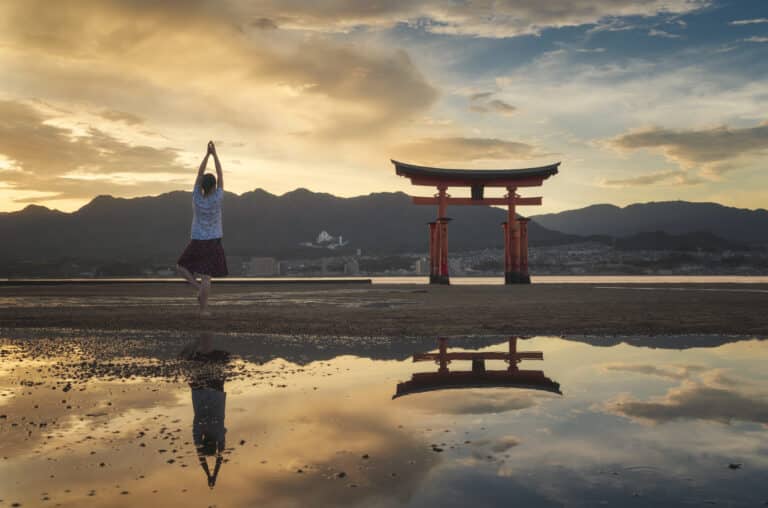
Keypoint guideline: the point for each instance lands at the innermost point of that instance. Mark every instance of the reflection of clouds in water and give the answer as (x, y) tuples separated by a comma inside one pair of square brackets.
[(504, 443), (473, 402), (671, 372), (714, 396), (397, 465), (323, 435), (494, 450), (499, 445), (70, 415)]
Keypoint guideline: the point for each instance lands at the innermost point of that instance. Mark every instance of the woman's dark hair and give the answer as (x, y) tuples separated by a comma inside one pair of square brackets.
[(208, 183)]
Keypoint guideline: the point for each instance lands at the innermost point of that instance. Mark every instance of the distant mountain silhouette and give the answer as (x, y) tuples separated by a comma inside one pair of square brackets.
[(256, 223), (659, 240), (672, 217)]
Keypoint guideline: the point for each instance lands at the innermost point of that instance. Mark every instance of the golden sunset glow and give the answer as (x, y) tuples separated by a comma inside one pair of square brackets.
[(119, 97)]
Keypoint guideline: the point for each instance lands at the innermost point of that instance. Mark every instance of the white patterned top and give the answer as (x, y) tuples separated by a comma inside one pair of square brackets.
[(206, 217)]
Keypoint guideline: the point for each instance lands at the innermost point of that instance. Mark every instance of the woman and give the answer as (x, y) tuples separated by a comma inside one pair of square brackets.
[(204, 256)]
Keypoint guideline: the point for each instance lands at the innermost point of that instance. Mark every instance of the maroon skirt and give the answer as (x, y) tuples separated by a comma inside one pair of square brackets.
[(205, 257)]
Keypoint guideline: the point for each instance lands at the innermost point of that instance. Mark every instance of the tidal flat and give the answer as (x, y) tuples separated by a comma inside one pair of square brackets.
[(299, 396), (640, 309), (104, 418)]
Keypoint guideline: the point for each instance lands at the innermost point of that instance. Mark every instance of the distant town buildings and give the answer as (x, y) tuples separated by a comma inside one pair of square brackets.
[(352, 267), (325, 240), (262, 267)]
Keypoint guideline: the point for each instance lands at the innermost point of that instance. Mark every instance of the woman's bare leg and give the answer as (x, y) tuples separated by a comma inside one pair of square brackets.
[(188, 276), (205, 291)]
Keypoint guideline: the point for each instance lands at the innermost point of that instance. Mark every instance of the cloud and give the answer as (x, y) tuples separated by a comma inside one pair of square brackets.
[(482, 103), (121, 116), (756, 39), (501, 107), (211, 55), (481, 96), (55, 159), (692, 147), (676, 177), (482, 18), (264, 24), (749, 21), (461, 149), (661, 33)]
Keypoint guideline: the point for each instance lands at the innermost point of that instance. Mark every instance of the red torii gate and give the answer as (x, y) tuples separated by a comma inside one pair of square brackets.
[(515, 229)]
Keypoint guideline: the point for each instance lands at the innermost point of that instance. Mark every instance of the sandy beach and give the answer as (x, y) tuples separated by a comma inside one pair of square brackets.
[(398, 310)]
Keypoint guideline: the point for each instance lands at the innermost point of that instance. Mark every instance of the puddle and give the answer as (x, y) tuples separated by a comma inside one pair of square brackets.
[(130, 419)]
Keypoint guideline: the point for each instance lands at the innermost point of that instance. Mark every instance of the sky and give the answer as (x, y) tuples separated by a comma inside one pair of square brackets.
[(641, 100)]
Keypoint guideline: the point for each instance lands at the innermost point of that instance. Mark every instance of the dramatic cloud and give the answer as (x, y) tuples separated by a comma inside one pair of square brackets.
[(44, 157), (323, 94), (484, 18), (199, 50), (691, 148), (458, 149)]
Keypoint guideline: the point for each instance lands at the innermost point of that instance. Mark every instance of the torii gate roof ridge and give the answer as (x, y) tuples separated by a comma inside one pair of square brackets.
[(474, 175)]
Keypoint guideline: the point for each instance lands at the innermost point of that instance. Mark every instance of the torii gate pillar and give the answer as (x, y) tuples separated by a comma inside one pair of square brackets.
[(438, 241)]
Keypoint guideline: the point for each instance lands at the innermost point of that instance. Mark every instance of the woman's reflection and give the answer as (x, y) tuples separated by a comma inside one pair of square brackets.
[(206, 375)]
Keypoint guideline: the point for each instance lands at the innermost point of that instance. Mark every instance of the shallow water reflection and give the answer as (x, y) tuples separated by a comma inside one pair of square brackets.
[(99, 420)]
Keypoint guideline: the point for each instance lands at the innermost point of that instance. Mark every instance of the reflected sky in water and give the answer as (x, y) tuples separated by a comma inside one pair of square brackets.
[(104, 420)]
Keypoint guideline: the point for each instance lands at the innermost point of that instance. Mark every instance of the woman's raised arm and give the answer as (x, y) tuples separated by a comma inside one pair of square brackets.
[(219, 172), (203, 165)]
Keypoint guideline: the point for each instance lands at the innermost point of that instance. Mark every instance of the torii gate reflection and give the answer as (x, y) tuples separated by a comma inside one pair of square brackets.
[(515, 228), (479, 376)]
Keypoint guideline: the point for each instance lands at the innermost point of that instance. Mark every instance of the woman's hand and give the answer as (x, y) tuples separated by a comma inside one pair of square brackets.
[(211, 148)]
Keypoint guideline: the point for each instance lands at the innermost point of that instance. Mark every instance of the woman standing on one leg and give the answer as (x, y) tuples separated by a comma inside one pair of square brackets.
[(204, 256)]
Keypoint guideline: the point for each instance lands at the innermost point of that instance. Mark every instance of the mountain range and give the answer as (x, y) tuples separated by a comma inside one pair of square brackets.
[(672, 217), (259, 223), (256, 223)]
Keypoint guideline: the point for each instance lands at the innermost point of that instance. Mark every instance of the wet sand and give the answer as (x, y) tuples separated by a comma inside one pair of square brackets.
[(399, 310)]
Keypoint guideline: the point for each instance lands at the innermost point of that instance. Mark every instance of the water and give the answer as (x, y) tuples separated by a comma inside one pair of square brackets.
[(104, 419)]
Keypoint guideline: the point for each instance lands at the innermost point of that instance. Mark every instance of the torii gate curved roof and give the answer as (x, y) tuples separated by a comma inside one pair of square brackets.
[(424, 175)]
